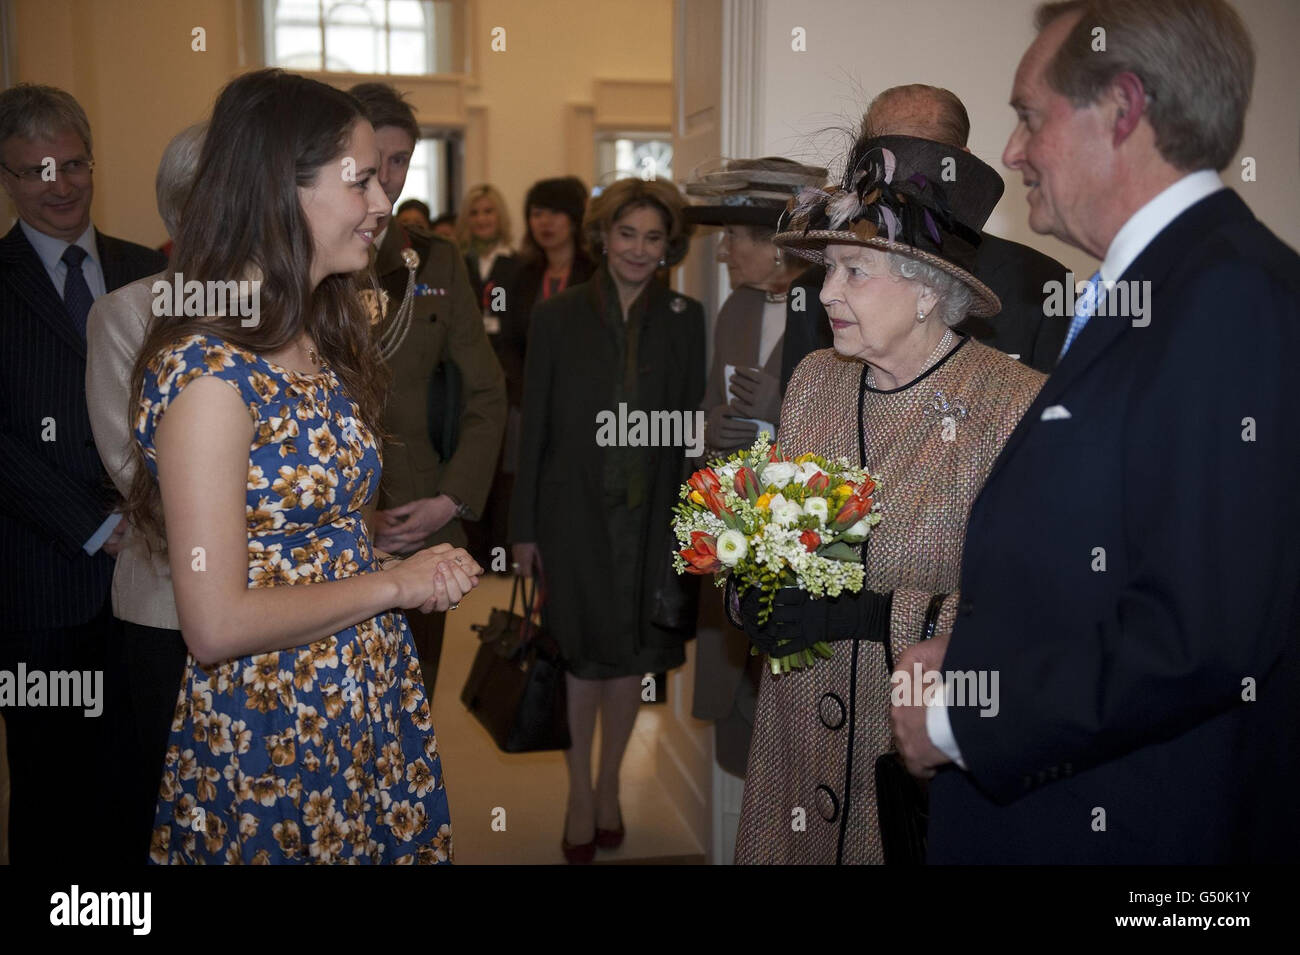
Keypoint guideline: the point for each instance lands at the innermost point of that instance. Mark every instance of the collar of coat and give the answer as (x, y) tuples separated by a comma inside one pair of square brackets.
[(603, 295)]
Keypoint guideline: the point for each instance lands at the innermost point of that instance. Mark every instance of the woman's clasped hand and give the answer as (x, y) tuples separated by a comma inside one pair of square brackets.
[(435, 578)]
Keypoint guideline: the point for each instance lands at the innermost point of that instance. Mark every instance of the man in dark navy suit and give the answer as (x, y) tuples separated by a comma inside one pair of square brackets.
[(1016, 273), (58, 532), (1132, 568)]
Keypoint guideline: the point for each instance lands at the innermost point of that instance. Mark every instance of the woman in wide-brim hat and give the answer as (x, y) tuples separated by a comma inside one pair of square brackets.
[(927, 409), (745, 198)]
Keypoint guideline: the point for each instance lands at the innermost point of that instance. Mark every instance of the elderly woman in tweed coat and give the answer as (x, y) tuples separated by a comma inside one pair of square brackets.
[(934, 407)]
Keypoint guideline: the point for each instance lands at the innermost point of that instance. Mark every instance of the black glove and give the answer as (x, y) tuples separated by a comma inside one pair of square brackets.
[(798, 621)]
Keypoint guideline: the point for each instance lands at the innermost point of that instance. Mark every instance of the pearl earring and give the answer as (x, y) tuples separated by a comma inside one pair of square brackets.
[(663, 263), (920, 315)]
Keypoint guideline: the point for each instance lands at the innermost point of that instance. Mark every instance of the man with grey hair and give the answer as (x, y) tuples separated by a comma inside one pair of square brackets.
[(1131, 572), (1016, 273), (58, 532), (142, 589)]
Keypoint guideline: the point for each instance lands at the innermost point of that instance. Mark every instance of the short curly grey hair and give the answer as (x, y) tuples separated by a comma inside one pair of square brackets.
[(955, 297), (175, 179)]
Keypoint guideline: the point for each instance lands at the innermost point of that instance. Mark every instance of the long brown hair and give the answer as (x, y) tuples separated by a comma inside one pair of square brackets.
[(270, 133)]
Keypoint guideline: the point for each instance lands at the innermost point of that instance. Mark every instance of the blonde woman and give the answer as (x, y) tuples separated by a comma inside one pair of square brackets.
[(483, 233)]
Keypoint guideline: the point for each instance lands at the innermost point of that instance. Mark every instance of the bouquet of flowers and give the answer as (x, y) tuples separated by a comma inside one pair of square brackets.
[(770, 522)]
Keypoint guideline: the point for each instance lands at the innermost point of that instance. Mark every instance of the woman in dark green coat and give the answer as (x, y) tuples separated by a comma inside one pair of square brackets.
[(594, 492)]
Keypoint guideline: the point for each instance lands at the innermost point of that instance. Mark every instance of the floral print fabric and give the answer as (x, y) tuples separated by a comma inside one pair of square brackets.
[(323, 753)]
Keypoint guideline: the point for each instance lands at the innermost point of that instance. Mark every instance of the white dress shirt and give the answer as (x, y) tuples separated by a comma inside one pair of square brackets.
[(50, 251), (1129, 242)]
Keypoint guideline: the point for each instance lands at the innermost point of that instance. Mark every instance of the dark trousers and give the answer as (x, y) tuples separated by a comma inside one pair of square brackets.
[(426, 630), (68, 797), (155, 661)]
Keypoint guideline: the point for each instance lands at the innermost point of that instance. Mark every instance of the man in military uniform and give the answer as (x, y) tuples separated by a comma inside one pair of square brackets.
[(446, 408)]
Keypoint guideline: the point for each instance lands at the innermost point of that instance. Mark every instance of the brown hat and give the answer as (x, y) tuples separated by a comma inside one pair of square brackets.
[(747, 191), (916, 197)]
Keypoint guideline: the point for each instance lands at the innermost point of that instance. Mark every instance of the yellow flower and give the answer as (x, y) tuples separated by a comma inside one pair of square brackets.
[(697, 497), (764, 502), (843, 490), (804, 458)]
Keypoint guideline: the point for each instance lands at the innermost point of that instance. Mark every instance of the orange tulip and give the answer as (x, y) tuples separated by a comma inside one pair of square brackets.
[(854, 510), (704, 480), (746, 483), (702, 556)]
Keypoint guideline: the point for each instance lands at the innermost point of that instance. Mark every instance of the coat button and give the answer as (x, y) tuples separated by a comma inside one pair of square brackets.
[(830, 710), (828, 804)]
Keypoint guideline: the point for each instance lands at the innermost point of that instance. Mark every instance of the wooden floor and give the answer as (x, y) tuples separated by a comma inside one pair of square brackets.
[(531, 788)]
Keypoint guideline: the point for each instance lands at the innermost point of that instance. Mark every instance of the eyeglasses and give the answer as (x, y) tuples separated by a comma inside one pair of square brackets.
[(74, 170)]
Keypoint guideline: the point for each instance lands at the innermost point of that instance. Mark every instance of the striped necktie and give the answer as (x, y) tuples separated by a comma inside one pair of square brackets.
[(1084, 307), (76, 293)]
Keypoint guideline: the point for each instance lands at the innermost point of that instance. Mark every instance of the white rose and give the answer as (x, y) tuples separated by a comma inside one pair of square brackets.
[(817, 507), (779, 473), (731, 547), (807, 471), (727, 473), (785, 513), (857, 533)]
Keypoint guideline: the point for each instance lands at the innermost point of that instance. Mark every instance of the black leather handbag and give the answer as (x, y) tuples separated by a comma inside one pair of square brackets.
[(516, 685)]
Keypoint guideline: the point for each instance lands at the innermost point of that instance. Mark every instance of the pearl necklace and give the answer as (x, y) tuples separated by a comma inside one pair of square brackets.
[(935, 355)]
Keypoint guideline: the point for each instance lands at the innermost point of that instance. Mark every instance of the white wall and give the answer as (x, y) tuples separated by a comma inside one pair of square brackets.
[(972, 47)]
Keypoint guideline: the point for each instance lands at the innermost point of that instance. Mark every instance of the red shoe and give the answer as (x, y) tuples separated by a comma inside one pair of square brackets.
[(581, 854), (611, 838)]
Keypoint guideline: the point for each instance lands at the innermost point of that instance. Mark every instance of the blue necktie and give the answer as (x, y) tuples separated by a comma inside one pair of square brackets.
[(1084, 307), (76, 293)]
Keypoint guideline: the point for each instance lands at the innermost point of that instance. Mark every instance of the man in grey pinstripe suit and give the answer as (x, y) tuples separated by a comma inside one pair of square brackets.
[(58, 533)]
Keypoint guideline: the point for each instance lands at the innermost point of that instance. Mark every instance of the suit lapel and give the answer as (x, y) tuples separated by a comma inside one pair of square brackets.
[(21, 267), (113, 265), (1154, 264)]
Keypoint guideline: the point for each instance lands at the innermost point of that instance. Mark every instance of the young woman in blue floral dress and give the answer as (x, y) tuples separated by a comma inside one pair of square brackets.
[(302, 730)]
